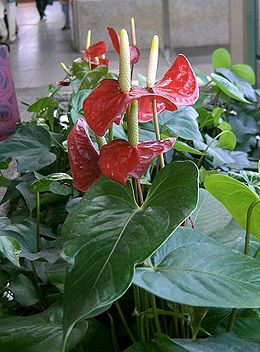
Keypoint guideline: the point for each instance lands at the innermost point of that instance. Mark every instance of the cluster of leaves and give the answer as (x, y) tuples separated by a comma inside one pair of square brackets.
[(101, 272)]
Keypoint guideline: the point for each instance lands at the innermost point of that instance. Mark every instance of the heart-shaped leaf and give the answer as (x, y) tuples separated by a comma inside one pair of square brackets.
[(111, 234), (228, 88), (245, 72), (191, 268), (182, 122), (30, 146), (219, 343), (221, 58), (237, 198), (213, 219), (40, 332)]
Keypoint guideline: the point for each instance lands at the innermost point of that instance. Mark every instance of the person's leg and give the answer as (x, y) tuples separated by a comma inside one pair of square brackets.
[(3, 29), (65, 9), (39, 7), (11, 14)]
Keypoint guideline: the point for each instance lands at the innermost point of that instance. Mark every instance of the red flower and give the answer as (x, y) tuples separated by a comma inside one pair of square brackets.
[(107, 104), (94, 54), (117, 160), (134, 50)]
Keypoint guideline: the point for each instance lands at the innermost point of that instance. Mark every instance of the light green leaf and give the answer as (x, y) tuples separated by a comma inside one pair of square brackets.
[(227, 140), (221, 58), (192, 268), (228, 88), (111, 234), (237, 198), (30, 146), (245, 72)]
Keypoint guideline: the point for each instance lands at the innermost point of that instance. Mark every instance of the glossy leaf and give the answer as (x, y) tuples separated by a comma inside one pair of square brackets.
[(30, 146), (219, 343), (183, 147), (182, 123), (228, 88), (227, 140), (186, 269), (24, 292), (9, 247), (41, 332), (245, 72), (44, 183), (221, 58), (237, 198), (109, 234), (213, 219)]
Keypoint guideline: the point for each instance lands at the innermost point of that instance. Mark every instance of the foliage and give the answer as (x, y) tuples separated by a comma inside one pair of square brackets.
[(155, 264)]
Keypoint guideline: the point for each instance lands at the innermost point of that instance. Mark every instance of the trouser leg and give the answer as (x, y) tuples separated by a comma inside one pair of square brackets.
[(11, 14), (65, 9), (3, 29)]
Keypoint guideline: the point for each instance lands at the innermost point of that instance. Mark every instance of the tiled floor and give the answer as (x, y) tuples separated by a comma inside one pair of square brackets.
[(42, 45)]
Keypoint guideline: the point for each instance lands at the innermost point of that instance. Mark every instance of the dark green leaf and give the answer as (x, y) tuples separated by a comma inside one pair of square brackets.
[(228, 88), (77, 100), (8, 246), (29, 197), (42, 104), (37, 333), (30, 146), (219, 343), (4, 182), (51, 183), (213, 219), (182, 122), (237, 198), (24, 292), (221, 58), (111, 234), (183, 147), (191, 268)]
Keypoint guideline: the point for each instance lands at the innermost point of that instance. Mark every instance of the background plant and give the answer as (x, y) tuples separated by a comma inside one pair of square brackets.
[(147, 298)]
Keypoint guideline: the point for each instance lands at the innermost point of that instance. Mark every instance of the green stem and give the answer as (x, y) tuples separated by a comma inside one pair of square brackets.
[(183, 334), (38, 285), (110, 134), (175, 320), (113, 335), (248, 225), (208, 146), (233, 314), (38, 221), (121, 315), (157, 131), (231, 320), (142, 328), (256, 252), (137, 309), (155, 313), (101, 141)]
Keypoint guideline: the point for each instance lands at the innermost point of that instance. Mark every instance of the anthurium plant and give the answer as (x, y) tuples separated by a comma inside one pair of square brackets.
[(134, 221)]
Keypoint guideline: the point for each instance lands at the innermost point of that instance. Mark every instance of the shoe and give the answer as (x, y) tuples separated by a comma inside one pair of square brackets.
[(65, 28)]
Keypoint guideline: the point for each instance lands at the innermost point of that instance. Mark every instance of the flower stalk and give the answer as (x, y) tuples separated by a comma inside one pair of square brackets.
[(132, 124)]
